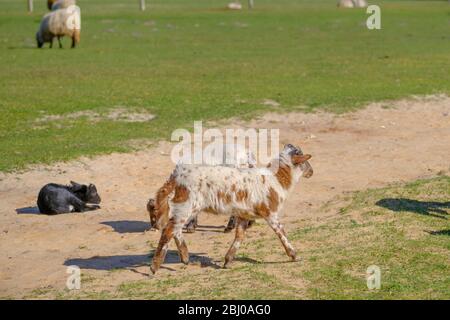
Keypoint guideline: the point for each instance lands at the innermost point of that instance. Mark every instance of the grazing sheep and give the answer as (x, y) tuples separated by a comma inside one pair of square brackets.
[(56, 198), (61, 4), (240, 192), (60, 23)]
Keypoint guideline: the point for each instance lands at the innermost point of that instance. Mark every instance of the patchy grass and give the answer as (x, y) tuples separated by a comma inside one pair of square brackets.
[(403, 229), (183, 61)]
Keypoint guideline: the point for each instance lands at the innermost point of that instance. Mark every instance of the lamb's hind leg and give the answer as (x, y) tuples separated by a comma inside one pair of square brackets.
[(241, 226), (181, 244), (59, 42), (276, 226), (79, 206)]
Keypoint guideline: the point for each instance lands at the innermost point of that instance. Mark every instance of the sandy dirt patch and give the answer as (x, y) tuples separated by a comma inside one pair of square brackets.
[(368, 148)]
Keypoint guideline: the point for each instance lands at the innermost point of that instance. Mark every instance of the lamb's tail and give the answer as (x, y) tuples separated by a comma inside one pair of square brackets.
[(158, 208)]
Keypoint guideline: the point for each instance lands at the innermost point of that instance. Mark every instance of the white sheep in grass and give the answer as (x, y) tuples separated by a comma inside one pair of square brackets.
[(60, 23), (248, 193)]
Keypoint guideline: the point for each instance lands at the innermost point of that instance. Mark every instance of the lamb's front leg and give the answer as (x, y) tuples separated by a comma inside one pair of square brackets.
[(241, 226), (160, 252), (181, 244), (276, 226)]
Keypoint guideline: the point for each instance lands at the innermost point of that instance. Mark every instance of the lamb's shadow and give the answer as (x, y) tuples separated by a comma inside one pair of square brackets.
[(134, 261), (210, 227), (253, 261), (28, 210), (429, 208), (445, 232), (128, 226)]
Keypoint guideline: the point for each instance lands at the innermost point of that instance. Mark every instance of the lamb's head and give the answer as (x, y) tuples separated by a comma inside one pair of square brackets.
[(151, 212), (39, 40), (50, 4), (87, 193), (294, 157), (158, 214)]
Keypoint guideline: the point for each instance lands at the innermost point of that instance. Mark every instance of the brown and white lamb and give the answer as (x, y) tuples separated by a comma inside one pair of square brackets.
[(245, 193)]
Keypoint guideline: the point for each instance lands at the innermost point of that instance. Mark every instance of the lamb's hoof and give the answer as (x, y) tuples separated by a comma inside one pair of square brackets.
[(152, 272), (226, 265), (227, 230)]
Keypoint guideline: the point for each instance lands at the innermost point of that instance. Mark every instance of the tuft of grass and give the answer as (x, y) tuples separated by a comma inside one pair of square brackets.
[(185, 61), (403, 229)]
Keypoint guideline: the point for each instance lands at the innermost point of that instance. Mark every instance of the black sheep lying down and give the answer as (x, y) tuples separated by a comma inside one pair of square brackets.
[(56, 198)]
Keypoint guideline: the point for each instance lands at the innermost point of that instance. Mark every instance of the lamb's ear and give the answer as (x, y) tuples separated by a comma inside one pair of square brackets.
[(76, 186), (83, 189), (300, 158)]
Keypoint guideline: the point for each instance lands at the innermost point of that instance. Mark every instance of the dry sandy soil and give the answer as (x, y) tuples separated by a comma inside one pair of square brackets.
[(368, 148)]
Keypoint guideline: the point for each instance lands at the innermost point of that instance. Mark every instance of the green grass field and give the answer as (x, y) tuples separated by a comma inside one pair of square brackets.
[(194, 60)]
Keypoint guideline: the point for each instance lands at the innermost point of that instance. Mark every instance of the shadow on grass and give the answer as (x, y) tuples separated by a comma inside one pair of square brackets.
[(429, 208), (109, 263), (445, 232), (128, 226), (253, 261)]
